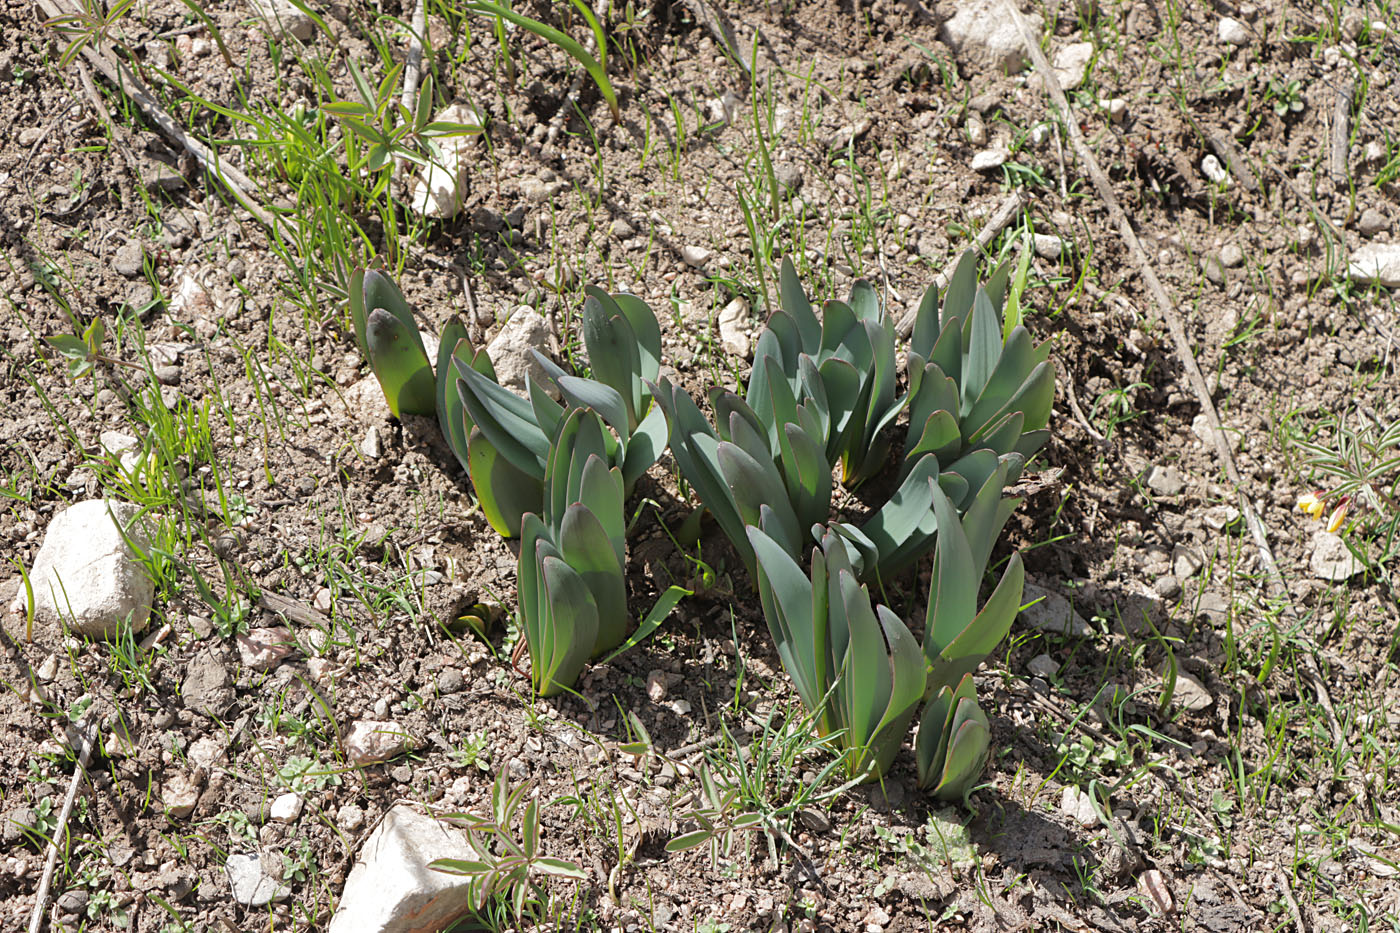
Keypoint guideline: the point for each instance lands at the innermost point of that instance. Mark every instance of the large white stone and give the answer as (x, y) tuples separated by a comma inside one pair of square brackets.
[(524, 331), (1332, 559), (369, 742), (1376, 262), (441, 187), (87, 575), (734, 322), (391, 889), (982, 31)]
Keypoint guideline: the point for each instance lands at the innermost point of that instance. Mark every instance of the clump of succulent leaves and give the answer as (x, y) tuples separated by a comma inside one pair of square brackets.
[(503, 440), (572, 592), (823, 395)]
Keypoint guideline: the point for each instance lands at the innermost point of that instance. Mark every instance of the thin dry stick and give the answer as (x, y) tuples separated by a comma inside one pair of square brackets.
[(414, 61), (1182, 346), (124, 79), (41, 897), (998, 222), (1341, 134)]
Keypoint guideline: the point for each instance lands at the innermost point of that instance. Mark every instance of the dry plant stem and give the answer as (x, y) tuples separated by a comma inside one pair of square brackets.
[(414, 61), (41, 897), (1182, 346), (998, 222), (125, 80), (1293, 910), (1341, 133)]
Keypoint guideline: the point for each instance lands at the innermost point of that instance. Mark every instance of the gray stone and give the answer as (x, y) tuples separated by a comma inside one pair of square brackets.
[(1231, 255), (789, 176), (87, 575), (251, 886), (695, 256), (391, 889), (1071, 63), (207, 687), (509, 350), (1053, 613), (450, 681), (1164, 481), (1213, 269), (373, 444), (1372, 222), (1048, 246), (283, 16), (179, 795), (1376, 262), (1167, 587), (1079, 806), (1042, 665), (1332, 559), (262, 649), (981, 31), (1190, 693), (621, 229), (129, 260), (1185, 562)]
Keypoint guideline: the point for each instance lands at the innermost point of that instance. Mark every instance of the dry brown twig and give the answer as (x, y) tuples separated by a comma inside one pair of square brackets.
[(120, 76), (87, 736), (1182, 346)]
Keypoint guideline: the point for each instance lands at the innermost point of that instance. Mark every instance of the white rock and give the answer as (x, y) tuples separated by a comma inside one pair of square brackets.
[(283, 15), (1376, 262), (87, 575), (509, 350), (391, 889), (1053, 613), (695, 256), (285, 808), (115, 442), (441, 187), (1220, 517), (1070, 64), (1048, 246), (1185, 562), (191, 298), (1117, 108), (989, 159), (981, 31), (723, 109), (205, 752), (179, 795), (1213, 170), (372, 446), (1231, 257), (734, 324), (1232, 31), (251, 886), (1079, 806), (1332, 559), (1040, 134), (350, 817), (262, 649), (369, 742)]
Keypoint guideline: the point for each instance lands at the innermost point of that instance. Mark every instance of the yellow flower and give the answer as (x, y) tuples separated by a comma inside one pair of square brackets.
[(1311, 503), (1339, 516)]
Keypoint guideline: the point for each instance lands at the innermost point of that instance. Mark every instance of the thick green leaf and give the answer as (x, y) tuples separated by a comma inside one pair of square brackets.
[(986, 516), (809, 478), (787, 596), (1012, 370), (957, 300), (799, 309), (586, 393), (454, 350), (982, 351), (571, 628), (358, 314), (613, 354), (753, 484), (646, 331), (1001, 437), (974, 468), (968, 744), (940, 437), (504, 492), (400, 364), (586, 548), (601, 490), (864, 688), (903, 527), (950, 661), (644, 447), (509, 422), (864, 301), (952, 600)]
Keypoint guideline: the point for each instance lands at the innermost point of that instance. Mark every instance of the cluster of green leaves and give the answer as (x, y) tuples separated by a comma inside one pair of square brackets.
[(554, 473), (507, 867), (822, 398)]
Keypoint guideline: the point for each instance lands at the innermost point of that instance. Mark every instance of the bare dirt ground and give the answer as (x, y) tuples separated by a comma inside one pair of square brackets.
[(1232, 801)]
